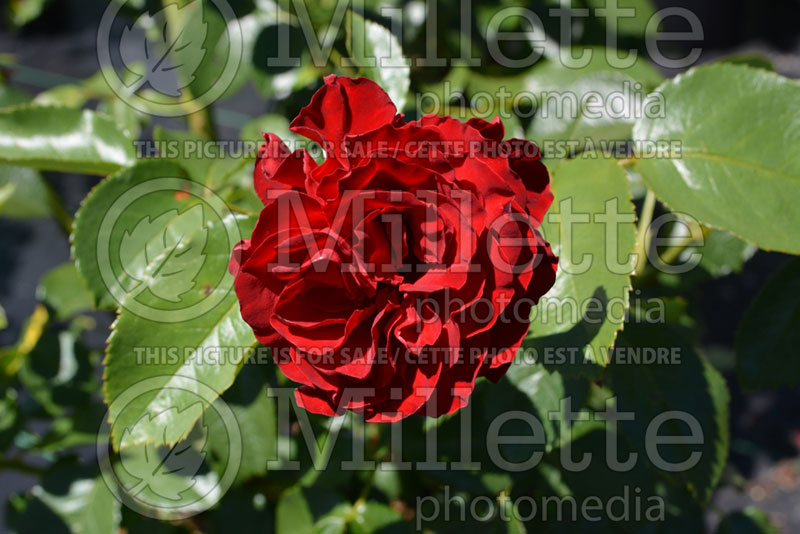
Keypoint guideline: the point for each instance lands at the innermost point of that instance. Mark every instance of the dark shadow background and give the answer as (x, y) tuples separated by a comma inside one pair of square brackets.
[(60, 48)]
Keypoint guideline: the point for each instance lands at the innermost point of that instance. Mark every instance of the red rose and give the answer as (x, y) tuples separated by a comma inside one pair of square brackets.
[(391, 276)]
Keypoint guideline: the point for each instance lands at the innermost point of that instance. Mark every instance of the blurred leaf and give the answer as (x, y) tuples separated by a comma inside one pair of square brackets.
[(24, 193), (547, 76), (270, 123), (12, 358), (378, 56), (769, 334), (64, 290), (576, 322), (376, 518), (24, 11), (754, 60), (722, 253), (684, 384), (192, 153), (749, 520), (723, 168), (3, 319), (59, 371), (77, 429), (243, 512), (310, 511), (69, 500), (69, 95), (123, 115), (11, 96), (63, 139)]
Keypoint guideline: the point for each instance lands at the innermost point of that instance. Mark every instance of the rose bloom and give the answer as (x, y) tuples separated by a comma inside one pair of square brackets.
[(391, 276)]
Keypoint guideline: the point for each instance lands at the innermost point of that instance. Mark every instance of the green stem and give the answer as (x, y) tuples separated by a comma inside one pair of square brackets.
[(57, 208), (200, 122), (672, 253), (642, 233)]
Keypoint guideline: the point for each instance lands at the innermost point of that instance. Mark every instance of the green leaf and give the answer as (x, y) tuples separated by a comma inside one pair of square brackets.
[(69, 500), (209, 350), (3, 319), (90, 217), (310, 511), (749, 520), (769, 334), (548, 76), (576, 322), (123, 115), (722, 253), (24, 11), (738, 167), (179, 335), (271, 123), (532, 388), (23, 193), (64, 290), (11, 96), (589, 121), (59, 371), (680, 381), (378, 55), (374, 517), (63, 139), (580, 103)]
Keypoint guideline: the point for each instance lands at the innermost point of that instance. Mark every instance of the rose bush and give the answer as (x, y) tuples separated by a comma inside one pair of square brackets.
[(392, 275)]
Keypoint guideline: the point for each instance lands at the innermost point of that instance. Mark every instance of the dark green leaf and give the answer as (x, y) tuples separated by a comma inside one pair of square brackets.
[(769, 334), (678, 381), (750, 520), (255, 415), (69, 500), (23, 193), (64, 290), (310, 511)]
